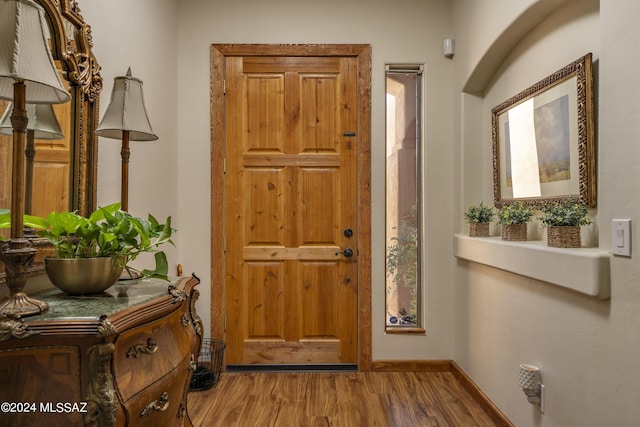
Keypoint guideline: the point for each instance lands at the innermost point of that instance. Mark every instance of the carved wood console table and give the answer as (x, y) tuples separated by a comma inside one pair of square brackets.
[(121, 358)]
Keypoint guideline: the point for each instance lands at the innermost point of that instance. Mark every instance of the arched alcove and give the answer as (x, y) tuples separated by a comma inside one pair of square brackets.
[(495, 55)]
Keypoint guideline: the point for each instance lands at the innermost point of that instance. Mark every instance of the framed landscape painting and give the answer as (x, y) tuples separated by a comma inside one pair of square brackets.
[(543, 140)]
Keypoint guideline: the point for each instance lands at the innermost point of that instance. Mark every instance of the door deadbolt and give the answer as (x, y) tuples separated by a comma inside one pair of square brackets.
[(348, 232), (348, 252)]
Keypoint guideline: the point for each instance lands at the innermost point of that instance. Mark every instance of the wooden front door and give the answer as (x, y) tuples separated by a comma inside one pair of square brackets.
[(291, 210)]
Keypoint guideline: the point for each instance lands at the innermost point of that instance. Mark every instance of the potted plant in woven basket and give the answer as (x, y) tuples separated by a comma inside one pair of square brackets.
[(514, 218), (563, 220), (478, 218)]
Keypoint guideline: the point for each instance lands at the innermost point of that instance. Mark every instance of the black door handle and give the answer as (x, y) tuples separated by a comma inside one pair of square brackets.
[(348, 252)]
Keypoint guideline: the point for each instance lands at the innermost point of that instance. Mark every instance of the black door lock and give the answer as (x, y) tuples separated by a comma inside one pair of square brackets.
[(347, 252)]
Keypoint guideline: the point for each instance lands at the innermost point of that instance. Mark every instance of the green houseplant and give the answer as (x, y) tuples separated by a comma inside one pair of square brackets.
[(402, 264), (108, 240), (478, 217), (563, 220), (514, 218)]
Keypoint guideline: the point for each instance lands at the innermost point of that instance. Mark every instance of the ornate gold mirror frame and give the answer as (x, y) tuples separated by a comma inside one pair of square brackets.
[(71, 45)]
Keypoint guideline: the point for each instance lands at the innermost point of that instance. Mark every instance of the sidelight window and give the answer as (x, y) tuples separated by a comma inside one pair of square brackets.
[(403, 176)]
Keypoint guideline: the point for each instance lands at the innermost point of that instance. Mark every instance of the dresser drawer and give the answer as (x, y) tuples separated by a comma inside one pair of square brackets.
[(35, 380), (149, 352), (163, 403)]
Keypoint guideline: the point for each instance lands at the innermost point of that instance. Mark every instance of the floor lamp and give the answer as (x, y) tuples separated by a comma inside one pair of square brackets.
[(27, 75), (42, 124), (126, 119)]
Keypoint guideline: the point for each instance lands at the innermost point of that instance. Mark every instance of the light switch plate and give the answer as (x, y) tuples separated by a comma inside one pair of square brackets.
[(621, 237)]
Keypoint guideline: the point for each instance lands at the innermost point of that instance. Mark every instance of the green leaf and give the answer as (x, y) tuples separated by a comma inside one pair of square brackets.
[(162, 267), (35, 222), (5, 219)]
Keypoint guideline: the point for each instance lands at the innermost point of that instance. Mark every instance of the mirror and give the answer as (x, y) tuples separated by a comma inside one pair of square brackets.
[(543, 140), (64, 170)]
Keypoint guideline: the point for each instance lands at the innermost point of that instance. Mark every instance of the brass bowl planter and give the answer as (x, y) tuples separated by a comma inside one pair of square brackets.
[(83, 276), (107, 232)]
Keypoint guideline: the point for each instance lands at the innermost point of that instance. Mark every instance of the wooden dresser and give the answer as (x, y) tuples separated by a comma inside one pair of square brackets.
[(121, 358)]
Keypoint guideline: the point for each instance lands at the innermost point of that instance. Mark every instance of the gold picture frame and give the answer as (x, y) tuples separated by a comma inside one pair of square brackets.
[(544, 140)]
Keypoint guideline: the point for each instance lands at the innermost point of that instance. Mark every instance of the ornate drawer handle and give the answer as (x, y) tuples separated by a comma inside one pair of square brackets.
[(156, 406), (193, 365), (139, 349)]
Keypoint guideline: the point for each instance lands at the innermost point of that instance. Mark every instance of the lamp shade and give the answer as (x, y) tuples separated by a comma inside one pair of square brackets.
[(126, 112), (25, 54), (42, 121)]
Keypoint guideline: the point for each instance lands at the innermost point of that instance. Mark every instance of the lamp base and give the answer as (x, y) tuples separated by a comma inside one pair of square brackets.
[(17, 257), (21, 305)]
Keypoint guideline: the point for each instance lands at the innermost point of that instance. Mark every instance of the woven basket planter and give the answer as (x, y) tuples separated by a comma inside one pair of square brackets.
[(479, 229), (514, 232), (564, 236)]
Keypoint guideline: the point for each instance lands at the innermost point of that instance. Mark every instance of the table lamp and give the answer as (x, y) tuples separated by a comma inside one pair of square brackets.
[(126, 119)]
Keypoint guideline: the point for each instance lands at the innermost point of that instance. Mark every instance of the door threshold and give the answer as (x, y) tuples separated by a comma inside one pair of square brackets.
[(337, 367)]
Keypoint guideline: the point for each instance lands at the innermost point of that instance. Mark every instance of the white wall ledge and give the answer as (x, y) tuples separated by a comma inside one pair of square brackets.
[(585, 270)]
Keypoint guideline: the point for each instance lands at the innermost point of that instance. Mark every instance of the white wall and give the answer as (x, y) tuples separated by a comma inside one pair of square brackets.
[(172, 57), (587, 349), (141, 35)]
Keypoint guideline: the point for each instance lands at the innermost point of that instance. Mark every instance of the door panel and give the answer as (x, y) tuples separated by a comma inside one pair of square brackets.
[(290, 192), (51, 168)]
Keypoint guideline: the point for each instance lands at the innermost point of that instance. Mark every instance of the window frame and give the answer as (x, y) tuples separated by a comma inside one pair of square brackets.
[(417, 69)]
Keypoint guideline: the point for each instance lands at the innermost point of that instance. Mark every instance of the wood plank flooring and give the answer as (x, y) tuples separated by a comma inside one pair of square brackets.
[(358, 399)]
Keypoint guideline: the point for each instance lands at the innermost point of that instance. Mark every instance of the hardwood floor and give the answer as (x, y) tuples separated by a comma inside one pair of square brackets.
[(362, 399)]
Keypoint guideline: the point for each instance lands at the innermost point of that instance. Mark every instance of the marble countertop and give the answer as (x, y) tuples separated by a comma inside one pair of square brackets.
[(121, 296)]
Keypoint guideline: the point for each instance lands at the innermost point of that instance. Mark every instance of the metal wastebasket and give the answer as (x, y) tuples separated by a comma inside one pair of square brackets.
[(209, 367)]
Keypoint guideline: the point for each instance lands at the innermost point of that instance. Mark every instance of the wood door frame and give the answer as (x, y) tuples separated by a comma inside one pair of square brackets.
[(362, 52)]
